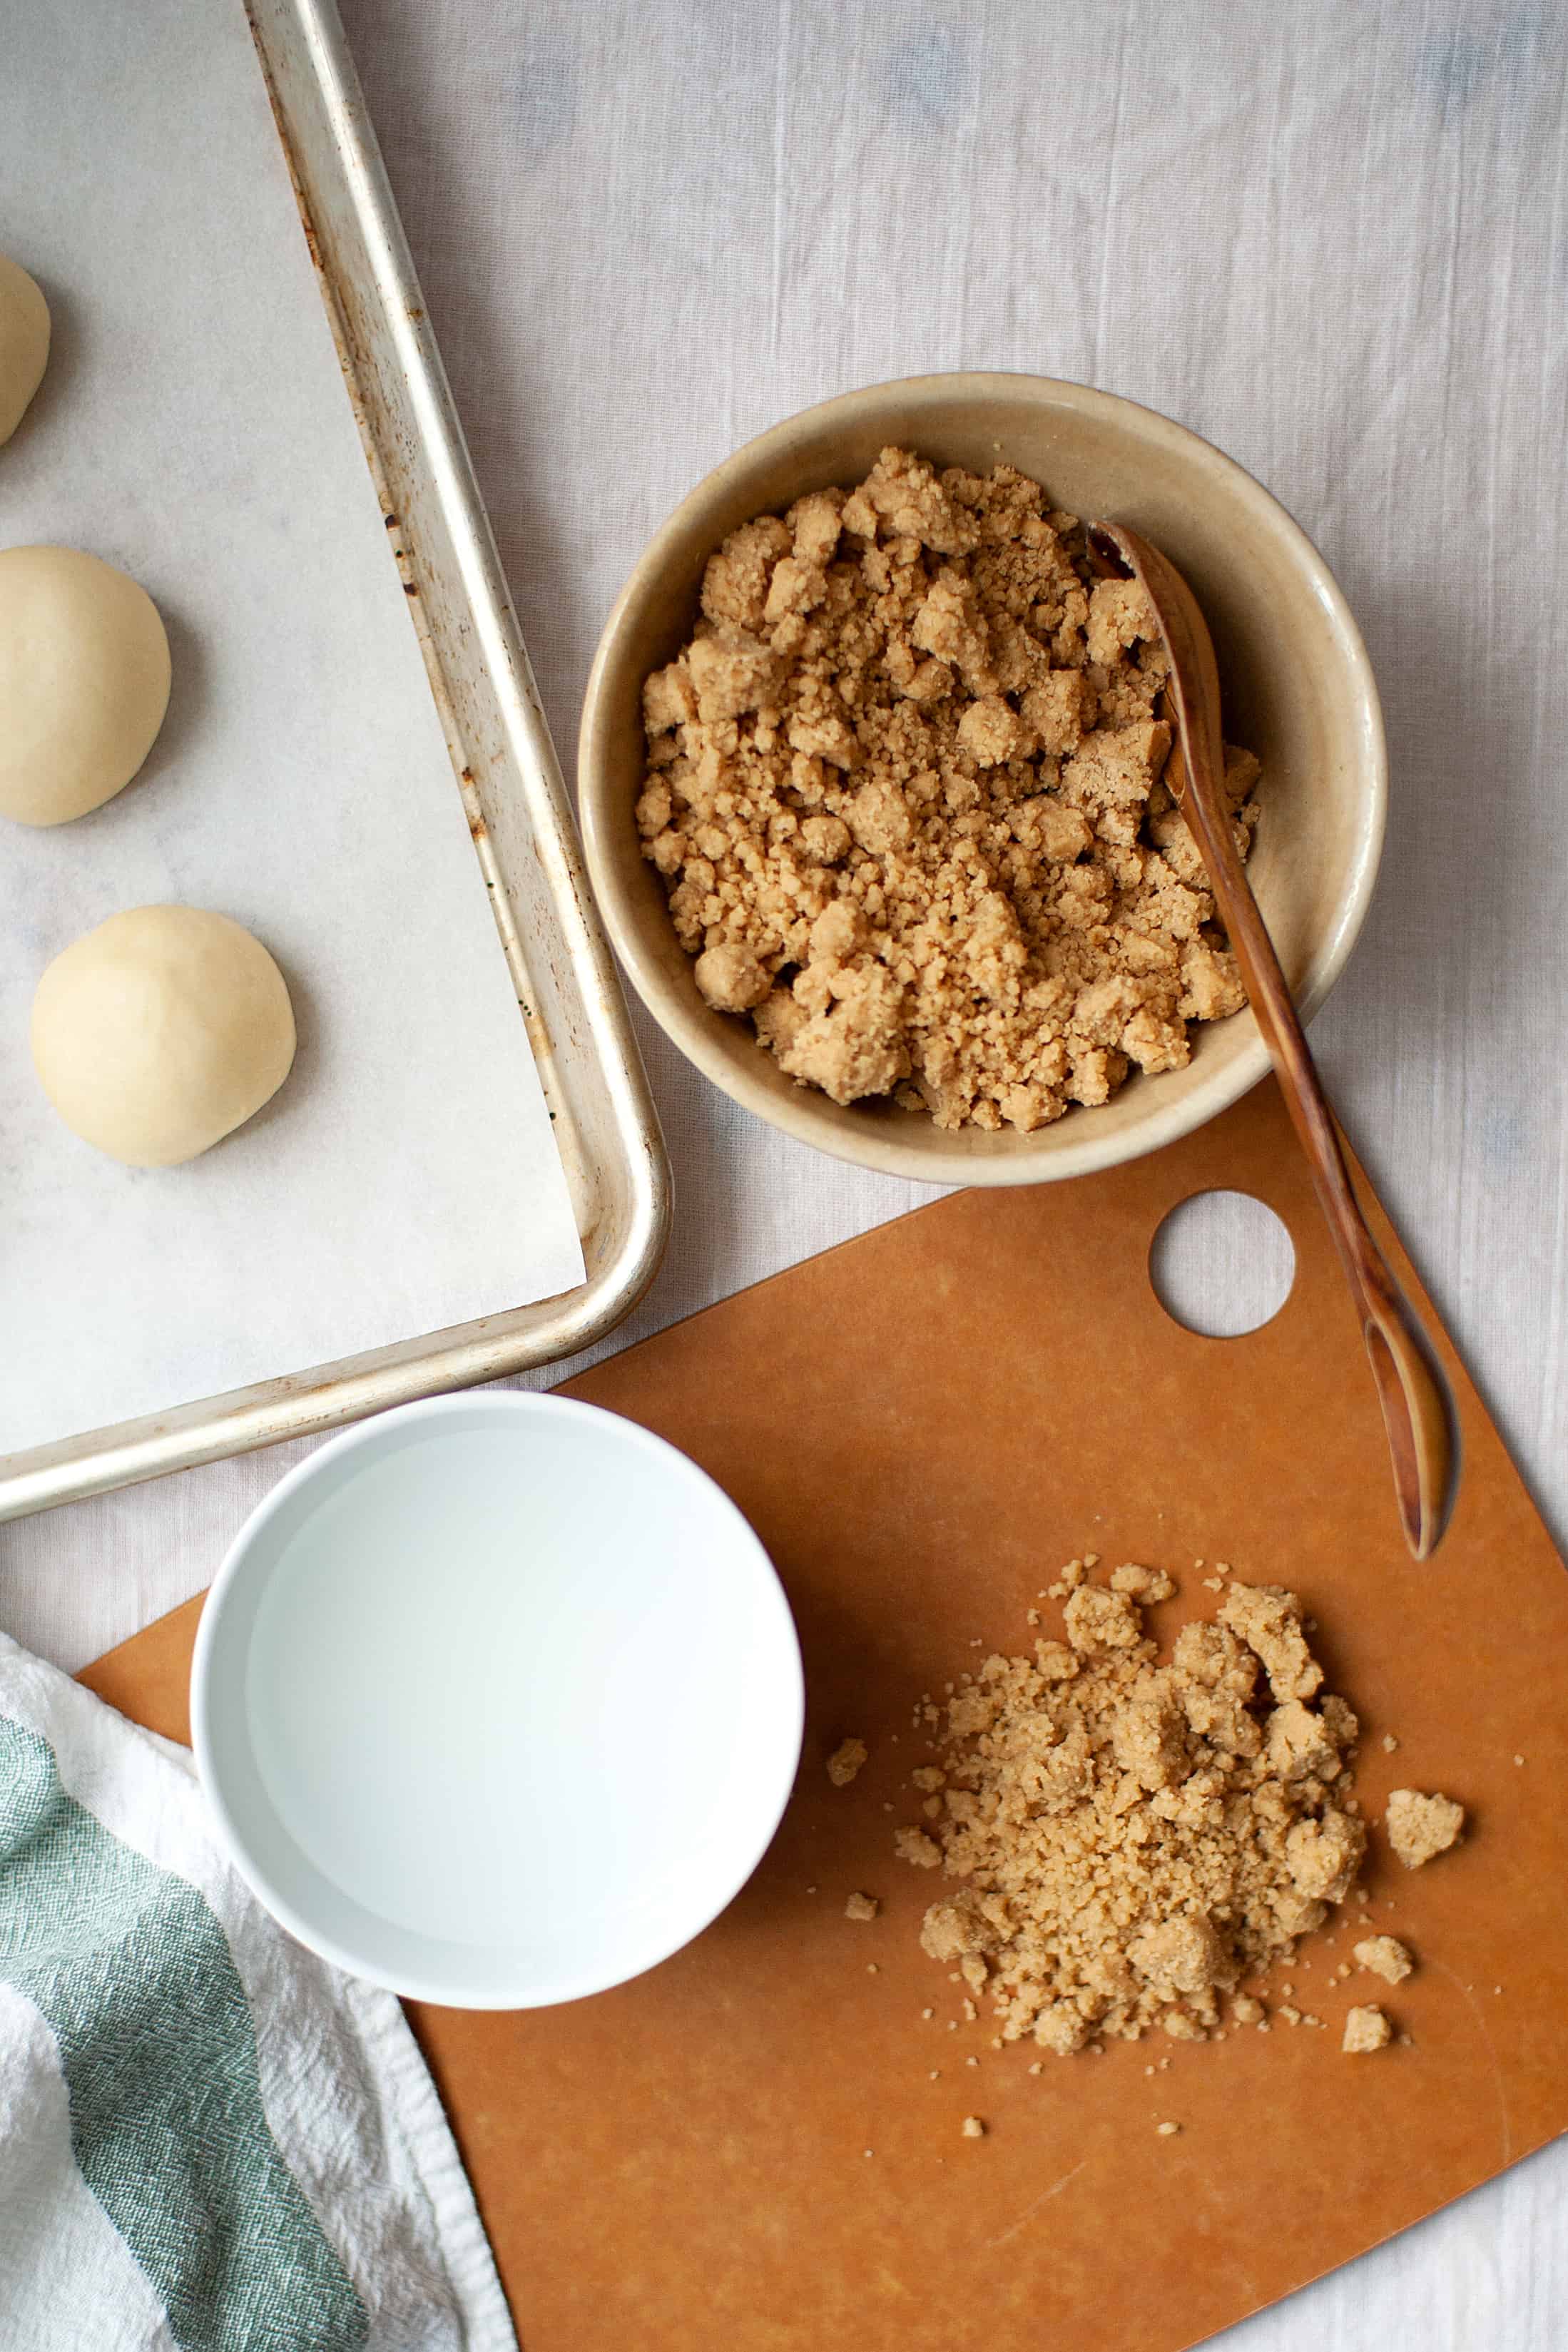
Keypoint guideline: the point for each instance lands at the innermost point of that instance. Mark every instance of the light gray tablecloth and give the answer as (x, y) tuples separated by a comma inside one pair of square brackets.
[(1332, 237)]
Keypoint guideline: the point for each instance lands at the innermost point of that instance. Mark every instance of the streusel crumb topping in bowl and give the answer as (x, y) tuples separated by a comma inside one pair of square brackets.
[(906, 788), (960, 865)]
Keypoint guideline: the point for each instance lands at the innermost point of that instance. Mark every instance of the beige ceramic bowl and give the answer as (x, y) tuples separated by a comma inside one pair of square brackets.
[(1298, 691)]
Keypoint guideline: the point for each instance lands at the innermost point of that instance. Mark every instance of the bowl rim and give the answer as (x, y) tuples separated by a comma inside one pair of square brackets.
[(1009, 1160), (533, 1991)]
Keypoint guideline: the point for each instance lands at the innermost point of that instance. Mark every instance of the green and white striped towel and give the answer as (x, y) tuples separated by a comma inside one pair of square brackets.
[(208, 2138)]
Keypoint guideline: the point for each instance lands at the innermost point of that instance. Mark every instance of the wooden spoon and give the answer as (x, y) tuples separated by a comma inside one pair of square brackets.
[(1418, 1404)]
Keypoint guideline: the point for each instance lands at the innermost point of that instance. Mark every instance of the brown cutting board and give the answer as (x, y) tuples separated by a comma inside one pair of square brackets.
[(746, 2148)]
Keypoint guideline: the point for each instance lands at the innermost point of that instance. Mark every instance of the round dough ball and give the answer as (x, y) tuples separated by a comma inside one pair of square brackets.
[(161, 1032), (84, 682), (24, 342)]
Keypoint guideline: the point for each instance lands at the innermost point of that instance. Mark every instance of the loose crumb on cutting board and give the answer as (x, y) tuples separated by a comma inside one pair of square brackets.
[(1420, 1827), (1132, 1836), (907, 791), (916, 1846), (1385, 1957), (972, 2127), (861, 1906), (845, 1761), (1365, 2029)]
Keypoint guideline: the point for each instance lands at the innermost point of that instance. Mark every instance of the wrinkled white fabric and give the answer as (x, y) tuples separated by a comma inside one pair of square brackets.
[(345, 2095), (1333, 238)]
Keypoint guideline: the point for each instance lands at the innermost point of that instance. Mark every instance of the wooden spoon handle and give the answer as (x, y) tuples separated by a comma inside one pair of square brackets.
[(1418, 1404)]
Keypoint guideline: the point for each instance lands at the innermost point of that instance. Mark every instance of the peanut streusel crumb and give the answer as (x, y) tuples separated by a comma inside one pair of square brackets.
[(1131, 1836), (1385, 1957), (845, 1761), (914, 1845), (1421, 1827), (1365, 2029), (861, 1906), (1146, 1585), (906, 790)]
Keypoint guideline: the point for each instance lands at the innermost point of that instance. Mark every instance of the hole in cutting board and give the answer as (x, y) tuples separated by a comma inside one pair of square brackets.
[(1221, 1263)]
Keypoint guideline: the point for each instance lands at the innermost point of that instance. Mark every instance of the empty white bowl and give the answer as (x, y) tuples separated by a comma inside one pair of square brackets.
[(498, 1700)]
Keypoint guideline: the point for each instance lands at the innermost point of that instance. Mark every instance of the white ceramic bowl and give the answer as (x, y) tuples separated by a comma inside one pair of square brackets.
[(498, 1700)]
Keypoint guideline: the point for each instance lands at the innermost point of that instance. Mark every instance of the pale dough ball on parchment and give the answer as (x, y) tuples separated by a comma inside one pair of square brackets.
[(84, 682), (24, 342), (161, 1032)]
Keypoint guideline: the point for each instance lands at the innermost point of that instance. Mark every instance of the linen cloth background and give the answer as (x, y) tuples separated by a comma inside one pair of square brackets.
[(1330, 236)]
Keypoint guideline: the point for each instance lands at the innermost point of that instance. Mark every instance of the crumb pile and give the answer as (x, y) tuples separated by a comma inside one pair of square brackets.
[(905, 791), (1134, 1838)]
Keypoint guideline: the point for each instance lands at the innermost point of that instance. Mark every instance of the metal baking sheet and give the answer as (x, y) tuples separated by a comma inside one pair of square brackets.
[(518, 815)]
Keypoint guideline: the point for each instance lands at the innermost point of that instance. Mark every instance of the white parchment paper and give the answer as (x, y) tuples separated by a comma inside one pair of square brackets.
[(193, 427)]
